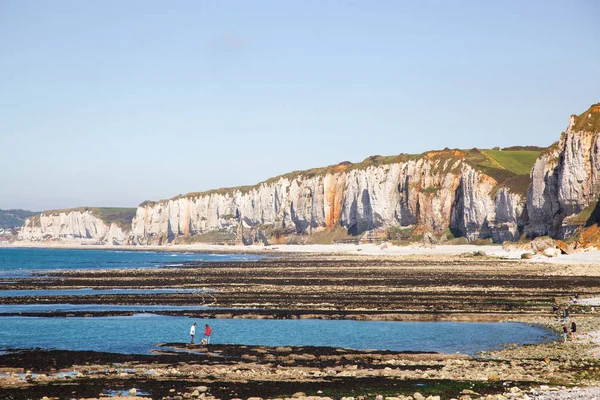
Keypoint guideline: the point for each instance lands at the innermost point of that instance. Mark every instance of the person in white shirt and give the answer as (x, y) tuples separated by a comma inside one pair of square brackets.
[(193, 332)]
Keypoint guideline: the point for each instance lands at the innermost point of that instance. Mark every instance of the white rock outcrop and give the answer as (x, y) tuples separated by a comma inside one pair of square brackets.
[(437, 191), (72, 225), (565, 178)]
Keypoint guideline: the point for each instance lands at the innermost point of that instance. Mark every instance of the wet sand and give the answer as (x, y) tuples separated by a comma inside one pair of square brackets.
[(513, 251)]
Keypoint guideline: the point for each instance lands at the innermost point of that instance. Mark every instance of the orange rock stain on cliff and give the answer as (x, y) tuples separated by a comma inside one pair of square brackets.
[(446, 153), (186, 219), (334, 199)]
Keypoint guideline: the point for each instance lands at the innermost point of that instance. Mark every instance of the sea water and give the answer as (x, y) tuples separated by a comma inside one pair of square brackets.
[(140, 333), (96, 292), (18, 262)]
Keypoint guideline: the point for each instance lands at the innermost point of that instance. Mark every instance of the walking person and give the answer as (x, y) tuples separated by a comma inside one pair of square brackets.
[(565, 333), (193, 332), (207, 333), (573, 330)]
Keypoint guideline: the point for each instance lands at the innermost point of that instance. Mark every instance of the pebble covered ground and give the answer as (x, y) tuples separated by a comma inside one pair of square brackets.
[(467, 288)]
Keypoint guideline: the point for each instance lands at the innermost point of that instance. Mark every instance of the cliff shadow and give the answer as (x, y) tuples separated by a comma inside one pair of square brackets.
[(594, 218)]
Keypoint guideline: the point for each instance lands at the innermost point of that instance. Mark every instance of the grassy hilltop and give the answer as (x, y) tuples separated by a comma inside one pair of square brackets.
[(510, 166), (14, 218)]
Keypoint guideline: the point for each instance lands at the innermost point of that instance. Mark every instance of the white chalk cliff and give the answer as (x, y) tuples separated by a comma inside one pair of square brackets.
[(440, 191), (436, 191), (565, 179), (72, 225)]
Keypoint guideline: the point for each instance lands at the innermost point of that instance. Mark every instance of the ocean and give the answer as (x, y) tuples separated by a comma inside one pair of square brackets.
[(140, 333)]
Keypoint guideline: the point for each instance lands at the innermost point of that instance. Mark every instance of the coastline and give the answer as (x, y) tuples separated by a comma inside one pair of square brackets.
[(364, 285), (582, 258)]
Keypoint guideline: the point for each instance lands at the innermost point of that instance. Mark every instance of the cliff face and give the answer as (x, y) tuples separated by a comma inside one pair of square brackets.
[(476, 194), (435, 192), (72, 225), (565, 180)]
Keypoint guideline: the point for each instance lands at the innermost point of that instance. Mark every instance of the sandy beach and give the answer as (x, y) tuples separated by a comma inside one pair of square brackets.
[(582, 258)]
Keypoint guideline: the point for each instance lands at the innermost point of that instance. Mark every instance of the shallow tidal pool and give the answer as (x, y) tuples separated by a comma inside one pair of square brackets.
[(140, 333)]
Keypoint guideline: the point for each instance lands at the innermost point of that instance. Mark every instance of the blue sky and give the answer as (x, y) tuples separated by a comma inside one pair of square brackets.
[(110, 103)]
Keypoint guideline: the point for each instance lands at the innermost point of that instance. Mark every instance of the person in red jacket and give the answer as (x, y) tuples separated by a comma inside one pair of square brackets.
[(207, 333)]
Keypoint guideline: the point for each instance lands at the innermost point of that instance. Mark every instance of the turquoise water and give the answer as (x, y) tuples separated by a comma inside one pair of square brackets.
[(22, 262), (140, 333), (93, 292)]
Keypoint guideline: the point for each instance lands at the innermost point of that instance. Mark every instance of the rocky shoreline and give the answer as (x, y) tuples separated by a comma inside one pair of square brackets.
[(418, 288), (182, 371)]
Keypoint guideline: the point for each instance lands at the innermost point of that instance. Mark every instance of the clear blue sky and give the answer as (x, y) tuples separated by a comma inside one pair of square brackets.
[(110, 103)]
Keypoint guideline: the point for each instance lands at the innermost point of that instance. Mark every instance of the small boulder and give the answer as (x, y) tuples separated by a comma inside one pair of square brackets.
[(132, 392), (563, 247), (526, 256), (428, 238), (298, 394), (551, 252), (541, 243)]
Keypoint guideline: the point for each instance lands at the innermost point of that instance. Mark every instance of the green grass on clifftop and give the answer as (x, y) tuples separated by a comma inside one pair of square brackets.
[(510, 167), (120, 216), (589, 120), (518, 162)]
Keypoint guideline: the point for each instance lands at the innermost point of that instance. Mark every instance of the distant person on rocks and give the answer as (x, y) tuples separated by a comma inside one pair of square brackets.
[(573, 330), (565, 333), (207, 333), (193, 332), (592, 309)]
